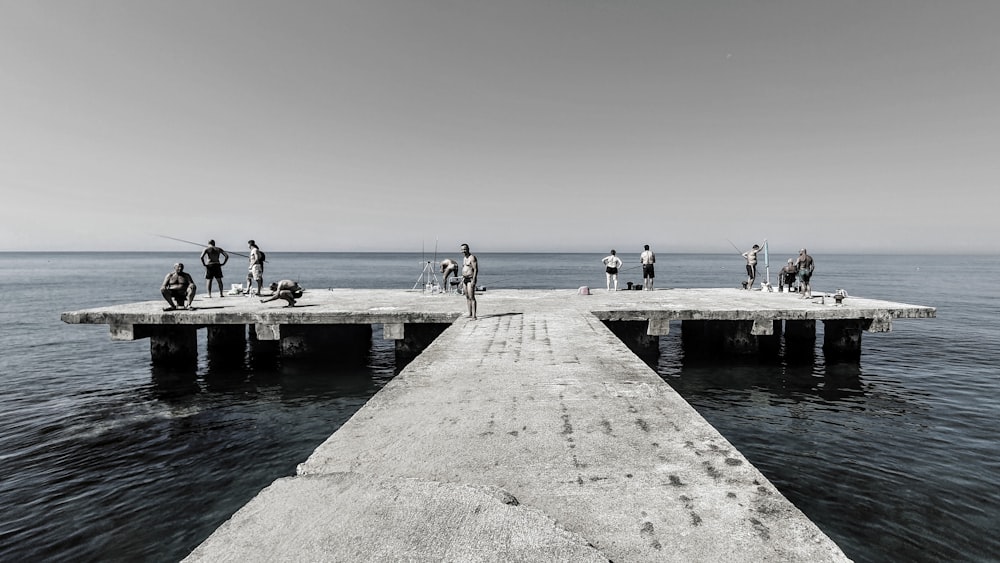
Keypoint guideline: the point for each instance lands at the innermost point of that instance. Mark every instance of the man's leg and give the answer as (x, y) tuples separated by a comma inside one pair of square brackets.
[(167, 295)]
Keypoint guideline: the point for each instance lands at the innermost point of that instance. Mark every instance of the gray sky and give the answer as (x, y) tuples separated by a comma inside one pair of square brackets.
[(514, 125)]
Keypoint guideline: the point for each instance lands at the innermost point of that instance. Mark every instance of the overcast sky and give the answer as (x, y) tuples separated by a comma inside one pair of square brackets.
[(513, 125)]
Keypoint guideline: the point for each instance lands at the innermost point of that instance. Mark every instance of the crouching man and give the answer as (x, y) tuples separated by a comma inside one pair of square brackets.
[(178, 286), (289, 290)]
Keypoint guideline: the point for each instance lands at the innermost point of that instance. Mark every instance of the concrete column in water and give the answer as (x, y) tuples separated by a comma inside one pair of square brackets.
[(343, 341), (842, 339), (227, 341), (800, 338), (173, 345), (732, 338), (635, 335)]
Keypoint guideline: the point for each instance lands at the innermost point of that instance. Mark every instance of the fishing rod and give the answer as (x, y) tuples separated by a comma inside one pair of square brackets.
[(736, 247), (197, 244)]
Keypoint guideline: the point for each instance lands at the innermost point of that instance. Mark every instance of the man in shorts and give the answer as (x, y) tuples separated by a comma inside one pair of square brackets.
[(751, 256), (255, 272), (289, 290), (611, 264), (805, 266), (178, 286), (213, 268), (647, 258)]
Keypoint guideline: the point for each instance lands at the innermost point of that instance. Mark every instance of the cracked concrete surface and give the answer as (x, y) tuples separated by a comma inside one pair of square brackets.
[(548, 407)]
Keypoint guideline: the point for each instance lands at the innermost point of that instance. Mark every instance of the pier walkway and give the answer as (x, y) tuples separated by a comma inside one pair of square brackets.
[(531, 434), (523, 437)]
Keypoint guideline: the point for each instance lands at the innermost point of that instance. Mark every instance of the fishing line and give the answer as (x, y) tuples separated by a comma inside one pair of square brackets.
[(198, 244)]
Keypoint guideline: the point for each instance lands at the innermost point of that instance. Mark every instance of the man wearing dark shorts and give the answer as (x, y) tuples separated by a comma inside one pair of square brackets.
[(647, 258), (178, 286), (213, 268), (805, 267), (289, 290)]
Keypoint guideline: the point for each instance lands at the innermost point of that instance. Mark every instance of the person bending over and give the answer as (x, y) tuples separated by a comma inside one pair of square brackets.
[(449, 268), (289, 290)]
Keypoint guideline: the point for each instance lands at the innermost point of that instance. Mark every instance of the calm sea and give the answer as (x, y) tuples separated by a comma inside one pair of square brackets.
[(104, 458)]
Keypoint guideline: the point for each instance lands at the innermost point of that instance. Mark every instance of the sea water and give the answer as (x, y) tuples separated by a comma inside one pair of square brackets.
[(104, 457)]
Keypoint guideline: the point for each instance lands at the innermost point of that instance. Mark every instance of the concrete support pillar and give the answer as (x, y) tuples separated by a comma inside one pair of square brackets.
[(800, 338), (737, 337), (415, 338), (263, 351), (635, 335), (842, 340), (708, 339), (227, 337), (226, 343), (174, 345), (341, 341)]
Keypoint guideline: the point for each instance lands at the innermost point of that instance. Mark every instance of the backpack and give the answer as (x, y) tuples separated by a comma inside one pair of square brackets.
[(260, 254)]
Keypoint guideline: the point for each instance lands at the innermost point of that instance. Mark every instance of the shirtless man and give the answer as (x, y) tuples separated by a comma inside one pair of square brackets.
[(787, 275), (470, 275), (611, 264), (178, 285), (448, 268), (255, 272), (289, 290), (751, 256), (805, 266), (213, 268), (647, 258)]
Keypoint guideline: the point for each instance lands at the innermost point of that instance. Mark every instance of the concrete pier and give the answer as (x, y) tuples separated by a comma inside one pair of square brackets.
[(531, 434)]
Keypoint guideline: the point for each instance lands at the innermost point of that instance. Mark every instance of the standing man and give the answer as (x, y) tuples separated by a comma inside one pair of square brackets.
[(648, 259), (213, 268), (448, 268), (805, 266), (612, 262), (470, 275), (178, 286), (255, 272), (751, 256)]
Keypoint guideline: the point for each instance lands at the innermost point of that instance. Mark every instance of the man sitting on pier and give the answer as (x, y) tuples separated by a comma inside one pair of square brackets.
[(178, 285), (787, 276), (289, 290)]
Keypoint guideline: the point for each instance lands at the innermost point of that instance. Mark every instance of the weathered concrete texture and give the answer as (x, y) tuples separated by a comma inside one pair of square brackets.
[(355, 517), (554, 410)]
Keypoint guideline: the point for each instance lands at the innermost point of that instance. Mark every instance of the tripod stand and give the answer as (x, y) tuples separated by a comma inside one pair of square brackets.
[(428, 279)]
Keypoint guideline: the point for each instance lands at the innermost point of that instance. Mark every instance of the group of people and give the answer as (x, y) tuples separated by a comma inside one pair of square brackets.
[(795, 270), (470, 276), (612, 264), (178, 287)]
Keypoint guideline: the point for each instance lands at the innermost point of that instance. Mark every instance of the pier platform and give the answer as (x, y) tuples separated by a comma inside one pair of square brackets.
[(532, 433), (713, 321)]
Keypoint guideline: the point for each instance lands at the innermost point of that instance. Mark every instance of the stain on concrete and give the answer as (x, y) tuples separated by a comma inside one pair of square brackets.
[(711, 470), (642, 424), (733, 461), (676, 481), (606, 426)]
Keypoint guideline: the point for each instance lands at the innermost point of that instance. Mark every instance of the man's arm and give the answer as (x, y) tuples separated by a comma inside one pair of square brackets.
[(166, 282), (225, 256), (204, 253), (475, 270)]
